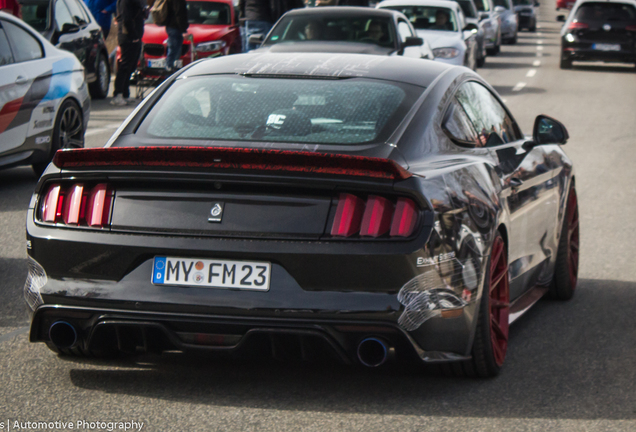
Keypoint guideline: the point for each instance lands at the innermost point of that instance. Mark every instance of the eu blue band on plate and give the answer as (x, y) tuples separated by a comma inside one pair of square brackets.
[(159, 270)]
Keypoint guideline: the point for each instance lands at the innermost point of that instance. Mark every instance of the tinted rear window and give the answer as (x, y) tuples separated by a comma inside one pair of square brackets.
[(321, 111), (606, 12), (468, 9)]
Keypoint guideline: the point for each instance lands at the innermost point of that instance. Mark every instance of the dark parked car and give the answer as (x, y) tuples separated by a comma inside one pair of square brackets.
[(367, 207), (526, 14), (599, 31), (345, 29), (69, 25)]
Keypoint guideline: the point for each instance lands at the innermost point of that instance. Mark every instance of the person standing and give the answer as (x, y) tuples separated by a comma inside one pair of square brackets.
[(11, 7), (130, 19), (175, 27), (103, 11)]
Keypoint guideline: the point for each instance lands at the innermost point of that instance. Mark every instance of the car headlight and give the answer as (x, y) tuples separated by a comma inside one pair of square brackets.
[(210, 46), (446, 53)]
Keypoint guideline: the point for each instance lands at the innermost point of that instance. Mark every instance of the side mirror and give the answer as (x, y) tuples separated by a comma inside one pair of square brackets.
[(256, 39), (549, 131), (69, 28), (471, 28), (412, 41), (500, 9), (561, 18)]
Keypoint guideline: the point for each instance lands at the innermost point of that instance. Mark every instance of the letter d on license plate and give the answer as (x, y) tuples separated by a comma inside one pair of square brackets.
[(211, 273)]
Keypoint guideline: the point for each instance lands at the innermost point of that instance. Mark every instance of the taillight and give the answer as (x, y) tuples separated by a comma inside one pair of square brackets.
[(575, 25), (348, 215), (374, 217), (631, 28), (77, 205)]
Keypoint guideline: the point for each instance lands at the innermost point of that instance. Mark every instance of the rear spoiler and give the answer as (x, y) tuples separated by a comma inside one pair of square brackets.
[(231, 159)]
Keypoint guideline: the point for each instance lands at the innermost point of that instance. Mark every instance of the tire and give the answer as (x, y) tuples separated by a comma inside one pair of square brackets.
[(513, 40), (481, 61), (567, 263), (99, 88), (68, 132), (491, 336), (565, 63)]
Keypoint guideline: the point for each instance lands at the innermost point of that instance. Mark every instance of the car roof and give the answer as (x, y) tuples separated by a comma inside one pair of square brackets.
[(413, 71), (434, 3), (337, 11)]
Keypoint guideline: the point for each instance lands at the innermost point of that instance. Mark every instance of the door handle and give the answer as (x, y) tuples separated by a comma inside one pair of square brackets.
[(21, 80), (515, 182)]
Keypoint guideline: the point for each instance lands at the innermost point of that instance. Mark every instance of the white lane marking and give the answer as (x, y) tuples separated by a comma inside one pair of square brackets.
[(539, 42), (518, 86), (14, 333), (97, 131), (539, 34), (536, 63), (539, 48), (504, 100), (538, 25), (531, 73)]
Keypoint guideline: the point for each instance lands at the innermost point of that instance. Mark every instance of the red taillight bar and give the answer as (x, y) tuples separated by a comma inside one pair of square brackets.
[(578, 25), (631, 28), (231, 158), (98, 209), (52, 201), (377, 217), (404, 219), (348, 215)]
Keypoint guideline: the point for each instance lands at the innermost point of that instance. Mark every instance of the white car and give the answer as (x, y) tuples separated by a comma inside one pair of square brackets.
[(443, 25), (44, 100)]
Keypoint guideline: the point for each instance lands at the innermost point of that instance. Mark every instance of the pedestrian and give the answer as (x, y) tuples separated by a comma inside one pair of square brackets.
[(11, 7), (131, 15), (259, 16), (103, 11), (175, 27)]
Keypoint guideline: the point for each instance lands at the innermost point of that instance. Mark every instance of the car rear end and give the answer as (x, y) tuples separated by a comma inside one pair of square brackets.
[(239, 245), (601, 31)]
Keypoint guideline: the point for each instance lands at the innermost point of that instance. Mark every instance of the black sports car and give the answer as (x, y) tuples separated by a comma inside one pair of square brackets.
[(358, 206)]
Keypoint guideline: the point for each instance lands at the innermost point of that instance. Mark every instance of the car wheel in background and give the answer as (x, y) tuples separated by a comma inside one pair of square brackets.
[(566, 63), (491, 336), (567, 262), (99, 88), (68, 132)]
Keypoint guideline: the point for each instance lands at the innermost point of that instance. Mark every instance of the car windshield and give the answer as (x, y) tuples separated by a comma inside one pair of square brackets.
[(36, 14), (606, 12), (355, 28), (239, 108), (468, 8), (502, 3), (429, 17), (210, 13)]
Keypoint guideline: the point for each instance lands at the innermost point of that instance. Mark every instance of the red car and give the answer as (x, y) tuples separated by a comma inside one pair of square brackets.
[(213, 30), (565, 4)]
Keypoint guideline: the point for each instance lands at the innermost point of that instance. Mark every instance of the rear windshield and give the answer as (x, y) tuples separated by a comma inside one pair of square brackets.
[(468, 8), (606, 12), (429, 17), (354, 28), (239, 108)]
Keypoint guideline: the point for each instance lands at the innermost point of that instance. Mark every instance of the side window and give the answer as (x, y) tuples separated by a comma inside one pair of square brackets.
[(77, 12), (459, 126), (488, 116), (6, 57), (404, 30), (25, 46), (62, 15)]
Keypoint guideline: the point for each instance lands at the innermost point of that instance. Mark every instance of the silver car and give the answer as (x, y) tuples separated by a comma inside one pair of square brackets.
[(490, 24), (508, 20)]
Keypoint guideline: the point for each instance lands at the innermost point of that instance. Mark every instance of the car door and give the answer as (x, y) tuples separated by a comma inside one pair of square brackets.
[(74, 41), (527, 181), (87, 37), (22, 55)]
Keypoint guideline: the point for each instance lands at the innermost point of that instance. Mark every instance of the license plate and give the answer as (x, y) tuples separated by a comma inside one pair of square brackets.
[(211, 273), (606, 47), (161, 63)]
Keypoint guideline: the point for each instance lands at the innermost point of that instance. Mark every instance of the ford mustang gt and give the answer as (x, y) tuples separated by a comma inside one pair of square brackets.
[(366, 208)]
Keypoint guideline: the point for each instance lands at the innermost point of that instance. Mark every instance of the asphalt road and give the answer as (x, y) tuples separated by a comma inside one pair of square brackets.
[(570, 366)]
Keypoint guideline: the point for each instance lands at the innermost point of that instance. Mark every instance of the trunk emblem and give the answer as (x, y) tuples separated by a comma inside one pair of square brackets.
[(216, 214), (607, 27)]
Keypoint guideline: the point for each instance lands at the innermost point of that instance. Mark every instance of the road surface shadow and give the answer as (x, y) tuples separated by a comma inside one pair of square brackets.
[(16, 188), (518, 54), (502, 65), (604, 69), (566, 360)]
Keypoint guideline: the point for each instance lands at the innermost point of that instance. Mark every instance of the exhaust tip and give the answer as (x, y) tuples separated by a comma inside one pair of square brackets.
[(373, 352), (63, 335)]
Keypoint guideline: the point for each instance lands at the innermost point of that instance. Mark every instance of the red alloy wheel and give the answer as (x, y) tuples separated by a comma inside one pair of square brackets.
[(499, 301), (573, 237)]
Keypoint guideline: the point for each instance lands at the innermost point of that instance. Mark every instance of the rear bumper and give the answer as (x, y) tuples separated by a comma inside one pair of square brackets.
[(588, 54)]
